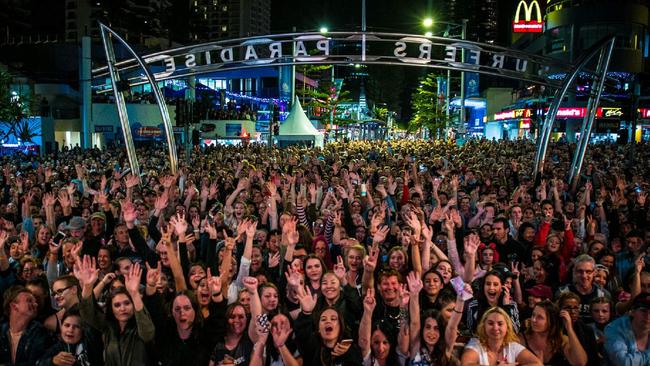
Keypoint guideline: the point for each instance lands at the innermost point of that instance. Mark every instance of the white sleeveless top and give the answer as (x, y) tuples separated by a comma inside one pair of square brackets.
[(509, 354)]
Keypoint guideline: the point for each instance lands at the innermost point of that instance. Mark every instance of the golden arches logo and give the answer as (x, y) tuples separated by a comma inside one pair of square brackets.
[(528, 24), (528, 11)]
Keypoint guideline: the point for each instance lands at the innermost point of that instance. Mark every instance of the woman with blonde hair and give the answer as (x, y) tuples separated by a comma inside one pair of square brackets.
[(497, 343)]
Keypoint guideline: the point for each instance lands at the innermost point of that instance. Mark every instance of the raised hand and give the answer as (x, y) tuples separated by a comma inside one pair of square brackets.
[(129, 212), (514, 268), (86, 271), (179, 224), (339, 269), (132, 279), (214, 283), (280, 334), (471, 246), (413, 221), (380, 235), (64, 198), (250, 230), (153, 274), (48, 199), (369, 301), (131, 180), (306, 299), (161, 202), (293, 237), (250, 283), (370, 260), (414, 282), (293, 277)]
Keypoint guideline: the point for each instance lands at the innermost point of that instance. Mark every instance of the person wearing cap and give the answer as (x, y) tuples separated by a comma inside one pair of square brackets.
[(626, 338), (101, 224)]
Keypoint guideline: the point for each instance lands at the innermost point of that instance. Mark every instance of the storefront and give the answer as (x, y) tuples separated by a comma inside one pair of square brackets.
[(517, 123)]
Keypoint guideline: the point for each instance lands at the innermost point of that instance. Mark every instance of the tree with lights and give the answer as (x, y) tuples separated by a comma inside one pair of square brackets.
[(429, 112), (13, 112)]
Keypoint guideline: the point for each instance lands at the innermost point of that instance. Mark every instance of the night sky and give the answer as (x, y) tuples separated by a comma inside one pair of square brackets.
[(345, 15)]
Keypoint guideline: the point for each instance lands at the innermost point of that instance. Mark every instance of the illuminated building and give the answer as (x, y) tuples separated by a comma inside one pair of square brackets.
[(227, 19), (140, 21), (570, 27)]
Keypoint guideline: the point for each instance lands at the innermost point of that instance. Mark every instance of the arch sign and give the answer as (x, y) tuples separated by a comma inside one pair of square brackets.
[(349, 48), (342, 48)]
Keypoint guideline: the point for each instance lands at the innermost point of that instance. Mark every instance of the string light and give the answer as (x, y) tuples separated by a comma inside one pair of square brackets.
[(256, 99)]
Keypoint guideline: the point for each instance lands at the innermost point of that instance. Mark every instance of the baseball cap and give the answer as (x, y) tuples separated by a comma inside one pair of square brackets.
[(76, 223), (541, 291), (641, 301)]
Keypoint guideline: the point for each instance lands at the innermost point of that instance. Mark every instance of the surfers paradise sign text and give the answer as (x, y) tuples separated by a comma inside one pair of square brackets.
[(342, 49)]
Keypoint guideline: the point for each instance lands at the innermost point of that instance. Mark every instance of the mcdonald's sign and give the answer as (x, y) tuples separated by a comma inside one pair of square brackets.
[(526, 23)]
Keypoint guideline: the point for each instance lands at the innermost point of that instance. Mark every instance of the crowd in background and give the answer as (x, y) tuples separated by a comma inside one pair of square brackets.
[(364, 253)]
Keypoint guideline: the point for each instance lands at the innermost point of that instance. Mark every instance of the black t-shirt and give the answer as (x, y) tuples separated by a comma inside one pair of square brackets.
[(585, 300), (241, 354)]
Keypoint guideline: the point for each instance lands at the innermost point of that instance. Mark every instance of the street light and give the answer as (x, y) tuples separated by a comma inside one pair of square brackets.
[(324, 30), (428, 23)]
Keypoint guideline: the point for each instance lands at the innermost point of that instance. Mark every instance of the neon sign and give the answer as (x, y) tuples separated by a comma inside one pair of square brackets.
[(528, 24), (571, 112), (513, 114)]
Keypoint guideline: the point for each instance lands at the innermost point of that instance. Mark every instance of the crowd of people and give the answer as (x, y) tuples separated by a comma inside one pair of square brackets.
[(363, 253)]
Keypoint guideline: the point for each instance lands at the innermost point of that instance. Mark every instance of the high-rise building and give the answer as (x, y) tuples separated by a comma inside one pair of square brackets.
[(482, 18), (30, 21), (226, 19), (137, 20)]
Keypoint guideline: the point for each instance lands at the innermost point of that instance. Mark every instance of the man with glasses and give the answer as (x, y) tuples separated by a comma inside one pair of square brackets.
[(65, 292), (626, 338), (583, 285)]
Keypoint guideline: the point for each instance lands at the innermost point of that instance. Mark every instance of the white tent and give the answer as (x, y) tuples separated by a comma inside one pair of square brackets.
[(297, 127)]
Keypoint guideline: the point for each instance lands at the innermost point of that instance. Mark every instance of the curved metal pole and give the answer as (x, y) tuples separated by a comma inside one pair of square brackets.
[(121, 105), (540, 156), (162, 106), (588, 122)]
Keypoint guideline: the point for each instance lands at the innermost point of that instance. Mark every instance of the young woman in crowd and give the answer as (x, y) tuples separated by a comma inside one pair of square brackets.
[(543, 336), (492, 293), (326, 344), (127, 330), (497, 343)]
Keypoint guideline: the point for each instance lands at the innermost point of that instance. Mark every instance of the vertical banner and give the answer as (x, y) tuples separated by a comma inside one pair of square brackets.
[(442, 86), (471, 84), (284, 82)]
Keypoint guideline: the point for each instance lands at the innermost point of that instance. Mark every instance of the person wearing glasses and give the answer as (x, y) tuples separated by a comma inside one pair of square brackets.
[(66, 293), (583, 285), (570, 302)]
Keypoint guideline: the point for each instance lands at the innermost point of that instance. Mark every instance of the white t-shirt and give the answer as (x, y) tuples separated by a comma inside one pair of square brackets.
[(510, 351)]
